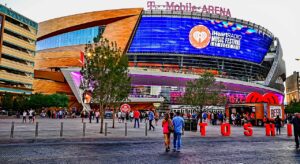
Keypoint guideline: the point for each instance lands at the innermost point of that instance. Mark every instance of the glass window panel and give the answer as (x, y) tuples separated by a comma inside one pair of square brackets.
[(77, 37)]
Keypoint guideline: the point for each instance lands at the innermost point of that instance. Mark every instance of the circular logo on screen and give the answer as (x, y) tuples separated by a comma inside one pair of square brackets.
[(199, 36)]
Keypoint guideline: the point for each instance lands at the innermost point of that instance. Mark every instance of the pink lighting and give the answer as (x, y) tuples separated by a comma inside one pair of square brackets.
[(235, 93)]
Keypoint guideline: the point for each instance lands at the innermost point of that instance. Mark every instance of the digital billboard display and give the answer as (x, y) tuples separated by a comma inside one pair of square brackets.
[(197, 36)]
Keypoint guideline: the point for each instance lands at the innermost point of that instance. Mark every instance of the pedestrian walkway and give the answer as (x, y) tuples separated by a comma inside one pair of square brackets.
[(73, 128)]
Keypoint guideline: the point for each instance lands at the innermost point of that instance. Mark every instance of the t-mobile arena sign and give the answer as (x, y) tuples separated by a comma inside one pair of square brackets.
[(151, 5)]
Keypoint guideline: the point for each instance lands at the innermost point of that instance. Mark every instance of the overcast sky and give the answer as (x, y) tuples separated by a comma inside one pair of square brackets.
[(281, 17)]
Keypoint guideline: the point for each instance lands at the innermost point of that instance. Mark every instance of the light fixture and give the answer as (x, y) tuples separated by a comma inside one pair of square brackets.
[(156, 105), (89, 54)]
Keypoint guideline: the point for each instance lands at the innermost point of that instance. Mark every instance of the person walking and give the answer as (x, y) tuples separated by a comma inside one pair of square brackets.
[(30, 115), (141, 116), (278, 122), (146, 117), (178, 124), (97, 116), (33, 116), (82, 116), (167, 129), (296, 125), (24, 116), (151, 118), (233, 118), (90, 116), (123, 116), (119, 116), (156, 117), (131, 116), (136, 116), (204, 116)]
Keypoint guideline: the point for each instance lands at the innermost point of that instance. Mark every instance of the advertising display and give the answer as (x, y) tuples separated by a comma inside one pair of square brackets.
[(198, 36), (274, 111)]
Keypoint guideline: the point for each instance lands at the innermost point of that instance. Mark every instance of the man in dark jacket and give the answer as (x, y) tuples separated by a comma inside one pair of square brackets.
[(296, 124)]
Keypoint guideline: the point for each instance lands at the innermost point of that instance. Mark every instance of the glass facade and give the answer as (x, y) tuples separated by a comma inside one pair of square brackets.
[(77, 37), (196, 36)]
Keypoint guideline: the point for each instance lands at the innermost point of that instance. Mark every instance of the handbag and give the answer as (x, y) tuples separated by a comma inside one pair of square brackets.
[(170, 126)]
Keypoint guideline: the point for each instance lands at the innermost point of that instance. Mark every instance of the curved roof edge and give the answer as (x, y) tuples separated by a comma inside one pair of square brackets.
[(48, 27)]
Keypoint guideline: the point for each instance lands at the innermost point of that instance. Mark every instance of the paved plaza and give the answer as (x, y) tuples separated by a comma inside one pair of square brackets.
[(73, 128), (94, 147)]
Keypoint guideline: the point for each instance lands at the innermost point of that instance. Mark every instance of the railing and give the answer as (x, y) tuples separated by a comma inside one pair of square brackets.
[(20, 30), (16, 65), (143, 96), (184, 71), (19, 42), (16, 78), (18, 54)]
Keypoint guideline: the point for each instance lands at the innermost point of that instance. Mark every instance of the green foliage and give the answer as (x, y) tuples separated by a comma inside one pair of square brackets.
[(106, 71), (7, 101), (20, 102), (293, 107), (203, 91), (36, 101)]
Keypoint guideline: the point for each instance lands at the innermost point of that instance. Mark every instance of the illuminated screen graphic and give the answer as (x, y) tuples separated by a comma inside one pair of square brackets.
[(199, 37)]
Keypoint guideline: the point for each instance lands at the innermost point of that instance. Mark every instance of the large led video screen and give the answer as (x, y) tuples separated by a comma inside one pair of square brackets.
[(195, 36)]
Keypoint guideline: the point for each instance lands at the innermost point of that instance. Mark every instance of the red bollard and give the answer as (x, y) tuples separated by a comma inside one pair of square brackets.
[(270, 129), (248, 129), (202, 128), (225, 129), (289, 130)]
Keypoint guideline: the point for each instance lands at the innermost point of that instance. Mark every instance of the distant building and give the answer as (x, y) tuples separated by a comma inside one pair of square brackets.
[(292, 87), (17, 47)]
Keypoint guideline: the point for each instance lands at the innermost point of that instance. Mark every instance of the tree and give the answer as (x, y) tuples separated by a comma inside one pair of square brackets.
[(19, 102), (7, 101), (293, 107), (105, 73), (57, 100), (203, 91), (38, 101)]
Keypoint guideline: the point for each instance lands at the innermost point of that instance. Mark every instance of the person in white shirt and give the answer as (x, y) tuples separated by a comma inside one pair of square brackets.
[(119, 116), (24, 116), (131, 116), (123, 116), (233, 119), (30, 115)]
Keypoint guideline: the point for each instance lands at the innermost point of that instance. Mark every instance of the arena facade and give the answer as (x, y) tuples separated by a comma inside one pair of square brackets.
[(165, 50)]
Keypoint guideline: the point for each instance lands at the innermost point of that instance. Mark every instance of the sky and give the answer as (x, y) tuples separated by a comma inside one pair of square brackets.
[(281, 17)]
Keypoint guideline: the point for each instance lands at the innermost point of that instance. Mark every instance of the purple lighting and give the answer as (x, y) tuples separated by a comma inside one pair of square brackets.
[(76, 76), (238, 90)]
